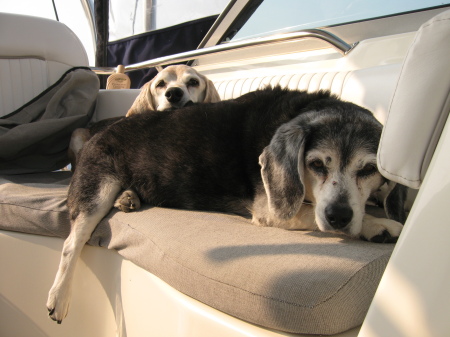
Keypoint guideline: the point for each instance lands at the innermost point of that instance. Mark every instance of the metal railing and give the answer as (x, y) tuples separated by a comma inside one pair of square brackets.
[(337, 43)]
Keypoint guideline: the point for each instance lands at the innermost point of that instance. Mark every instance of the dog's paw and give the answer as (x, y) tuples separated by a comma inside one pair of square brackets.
[(380, 230), (128, 201), (384, 237), (58, 304)]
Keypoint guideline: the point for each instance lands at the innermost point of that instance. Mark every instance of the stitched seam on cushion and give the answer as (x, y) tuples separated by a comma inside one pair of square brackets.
[(344, 82), (389, 112), (45, 92), (34, 209), (352, 277), (331, 80), (390, 105), (54, 232), (247, 291), (434, 21), (400, 176)]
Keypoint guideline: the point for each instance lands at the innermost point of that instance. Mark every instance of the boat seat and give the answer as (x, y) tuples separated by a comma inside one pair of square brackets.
[(34, 53), (416, 122), (284, 280), (414, 151), (290, 281)]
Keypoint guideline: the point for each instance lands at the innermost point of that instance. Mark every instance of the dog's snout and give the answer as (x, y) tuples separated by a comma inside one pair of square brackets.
[(338, 215), (174, 95)]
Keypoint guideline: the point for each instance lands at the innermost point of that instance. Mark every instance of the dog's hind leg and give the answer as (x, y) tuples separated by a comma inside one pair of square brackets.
[(83, 225)]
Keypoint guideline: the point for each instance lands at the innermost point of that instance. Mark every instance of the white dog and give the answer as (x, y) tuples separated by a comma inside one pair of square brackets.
[(172, 88)]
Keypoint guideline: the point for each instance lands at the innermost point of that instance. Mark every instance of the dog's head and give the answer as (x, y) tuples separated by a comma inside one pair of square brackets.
[(328, 159), (174, 87)]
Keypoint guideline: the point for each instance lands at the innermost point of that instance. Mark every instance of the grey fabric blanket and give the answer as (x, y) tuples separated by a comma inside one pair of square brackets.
[(35, 137)]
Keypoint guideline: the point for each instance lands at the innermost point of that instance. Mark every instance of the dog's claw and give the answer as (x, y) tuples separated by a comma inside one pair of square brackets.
[(50, 314), (130, 201)]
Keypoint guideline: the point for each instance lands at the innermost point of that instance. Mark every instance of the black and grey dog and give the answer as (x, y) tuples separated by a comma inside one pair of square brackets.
[(291, 159)]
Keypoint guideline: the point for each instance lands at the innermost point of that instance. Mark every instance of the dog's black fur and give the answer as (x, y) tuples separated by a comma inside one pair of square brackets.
[(202, 157), (251, 156)]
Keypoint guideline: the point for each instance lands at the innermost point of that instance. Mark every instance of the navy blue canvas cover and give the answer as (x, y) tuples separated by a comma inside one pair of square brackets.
[(172, 40)]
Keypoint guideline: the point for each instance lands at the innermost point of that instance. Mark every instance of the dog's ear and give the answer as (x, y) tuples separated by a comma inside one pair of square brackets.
[(282, 170), (394, 203), (211, 94), (143, 102)]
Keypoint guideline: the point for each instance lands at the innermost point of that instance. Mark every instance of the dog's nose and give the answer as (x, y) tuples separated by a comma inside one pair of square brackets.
[(174, 95), (338, 215)]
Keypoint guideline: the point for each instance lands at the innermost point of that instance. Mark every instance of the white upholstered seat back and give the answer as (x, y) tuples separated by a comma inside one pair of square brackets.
[(370, 87), (420, 105), (34, 53)]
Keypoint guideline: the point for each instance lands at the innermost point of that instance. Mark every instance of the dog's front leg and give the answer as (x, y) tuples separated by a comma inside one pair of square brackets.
[(302, 220), (380, 230)]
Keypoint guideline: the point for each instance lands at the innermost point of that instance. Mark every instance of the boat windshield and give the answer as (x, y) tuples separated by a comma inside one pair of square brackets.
[(294, 15)]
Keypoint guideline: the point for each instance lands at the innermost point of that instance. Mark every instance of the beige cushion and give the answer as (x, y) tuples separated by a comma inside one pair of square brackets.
[(295, 281), (419, 106)]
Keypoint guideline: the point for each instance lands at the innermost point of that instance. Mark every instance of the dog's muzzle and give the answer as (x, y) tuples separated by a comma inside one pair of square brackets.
[(338, 215), (174, 95)]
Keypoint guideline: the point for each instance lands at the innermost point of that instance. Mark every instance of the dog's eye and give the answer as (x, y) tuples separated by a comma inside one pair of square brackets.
[(193, 82), (318, 166), (161, 84), (367, 170), (317, 163)]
